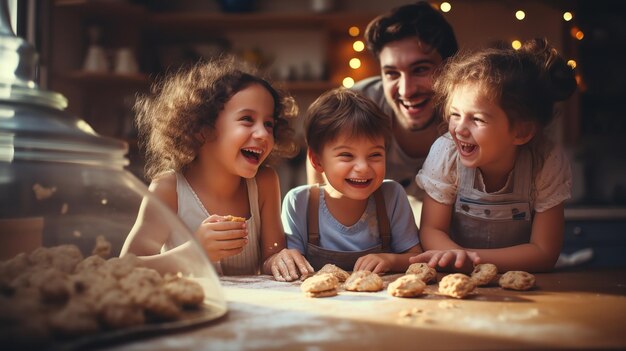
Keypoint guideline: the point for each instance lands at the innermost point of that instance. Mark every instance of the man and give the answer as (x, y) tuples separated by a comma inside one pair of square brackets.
[(410, 43)]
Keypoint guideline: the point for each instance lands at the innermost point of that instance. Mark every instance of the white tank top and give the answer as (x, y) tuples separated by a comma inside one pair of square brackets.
[(192, 213)]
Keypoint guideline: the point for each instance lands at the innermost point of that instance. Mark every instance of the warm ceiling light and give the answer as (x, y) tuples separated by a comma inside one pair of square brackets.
[(520, 15), (516, 44), (445, 7)]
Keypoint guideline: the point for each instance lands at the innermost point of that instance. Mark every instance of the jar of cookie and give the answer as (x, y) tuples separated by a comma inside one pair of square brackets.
[(67, 207)]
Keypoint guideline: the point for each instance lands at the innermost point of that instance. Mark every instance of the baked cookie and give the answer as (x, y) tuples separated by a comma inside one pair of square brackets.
[(339, 273), (183, 291), (422, 270), (321, 285), (484, 273), (364, 281), (116, 310), (102, 247), (456, 285), (230, 218), (409, 285), (76, 318), (517, 280)]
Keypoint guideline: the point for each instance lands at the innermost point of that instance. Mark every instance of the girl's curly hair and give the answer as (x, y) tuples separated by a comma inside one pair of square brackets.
[(171, 116)]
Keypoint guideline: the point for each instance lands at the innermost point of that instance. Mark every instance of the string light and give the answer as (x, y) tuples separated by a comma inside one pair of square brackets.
[(516, 44), (567, 16), (355, 63), (520, 15), (576, 33), (358, 46), (354, 31), (347, 82), (445, 7), (571, 63)]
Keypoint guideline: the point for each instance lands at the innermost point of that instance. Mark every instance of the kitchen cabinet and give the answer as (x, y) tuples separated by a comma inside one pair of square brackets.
[(105, 99), (604, 234)]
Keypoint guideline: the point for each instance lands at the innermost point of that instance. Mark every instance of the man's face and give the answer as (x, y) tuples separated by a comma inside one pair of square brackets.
[(407, 67)]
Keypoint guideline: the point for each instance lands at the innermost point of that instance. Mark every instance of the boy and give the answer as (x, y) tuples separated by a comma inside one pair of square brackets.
[(357, 220)]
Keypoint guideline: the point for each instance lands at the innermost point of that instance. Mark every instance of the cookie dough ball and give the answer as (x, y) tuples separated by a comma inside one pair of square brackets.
[(409, 285), (517, 280), (484, 273), (320, 285), (422, 270), (364, 281), (339, 273), (456, 285)]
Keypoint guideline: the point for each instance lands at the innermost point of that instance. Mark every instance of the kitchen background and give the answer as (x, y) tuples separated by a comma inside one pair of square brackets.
[(100, 54)]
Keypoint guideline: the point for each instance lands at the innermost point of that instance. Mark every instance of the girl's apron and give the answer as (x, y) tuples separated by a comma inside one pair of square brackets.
[(318, 256), (486, 221)]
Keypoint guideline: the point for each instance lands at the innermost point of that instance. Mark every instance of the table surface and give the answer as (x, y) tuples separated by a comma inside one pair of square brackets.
[(569, 309)]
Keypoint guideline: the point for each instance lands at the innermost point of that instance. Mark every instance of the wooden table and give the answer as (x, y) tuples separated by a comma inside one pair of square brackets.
[(570, 309)]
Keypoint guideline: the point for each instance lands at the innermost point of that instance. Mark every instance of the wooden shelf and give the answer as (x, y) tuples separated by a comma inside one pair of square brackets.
[(102, 8), (108, 79), (191, 21)]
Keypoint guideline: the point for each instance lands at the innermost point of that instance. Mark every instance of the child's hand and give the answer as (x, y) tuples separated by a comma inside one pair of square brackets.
[(286, 264), (221, 238), (463, 260), (375, 263)]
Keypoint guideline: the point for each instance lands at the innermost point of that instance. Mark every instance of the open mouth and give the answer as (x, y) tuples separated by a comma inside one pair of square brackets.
[(466, 149), (361, 183), (414, 104), (253, 155)]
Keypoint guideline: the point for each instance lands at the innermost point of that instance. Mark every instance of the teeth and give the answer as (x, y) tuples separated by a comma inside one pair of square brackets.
[(412, 103), (255, 151), (357, 180)]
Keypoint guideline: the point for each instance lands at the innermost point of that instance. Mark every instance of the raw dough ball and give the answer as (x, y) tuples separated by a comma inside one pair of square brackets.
[(321, 285), (425, 272), (339, 273), (484, 273), (517, 280), (364, 281), (409, 285), (456, 285)]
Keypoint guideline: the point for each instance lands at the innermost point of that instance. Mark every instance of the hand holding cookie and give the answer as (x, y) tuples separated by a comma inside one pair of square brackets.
[(222, 236)]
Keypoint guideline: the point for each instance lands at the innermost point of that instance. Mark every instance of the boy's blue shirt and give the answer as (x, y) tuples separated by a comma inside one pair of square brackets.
[(360, 236)]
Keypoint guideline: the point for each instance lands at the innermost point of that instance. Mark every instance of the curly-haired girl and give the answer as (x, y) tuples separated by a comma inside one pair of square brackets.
[(495, 185), (207, 131)]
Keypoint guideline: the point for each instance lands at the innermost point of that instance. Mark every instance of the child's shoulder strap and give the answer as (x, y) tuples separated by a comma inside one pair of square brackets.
[(313, 215), (384, 229)]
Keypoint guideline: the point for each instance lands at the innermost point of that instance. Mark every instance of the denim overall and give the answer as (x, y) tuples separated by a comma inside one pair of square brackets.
[(318, 256), (487, 221)]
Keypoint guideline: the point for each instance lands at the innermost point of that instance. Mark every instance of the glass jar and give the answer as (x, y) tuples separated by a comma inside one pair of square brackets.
[(65, 192)]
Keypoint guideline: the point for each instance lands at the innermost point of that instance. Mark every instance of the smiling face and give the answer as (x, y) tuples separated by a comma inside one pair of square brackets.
[(482, 132), (354, 167), (407, 67), (243, 135)]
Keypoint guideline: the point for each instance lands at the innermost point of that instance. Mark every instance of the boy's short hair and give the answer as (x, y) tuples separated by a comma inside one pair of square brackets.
[(344, 111), (419, 20)]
